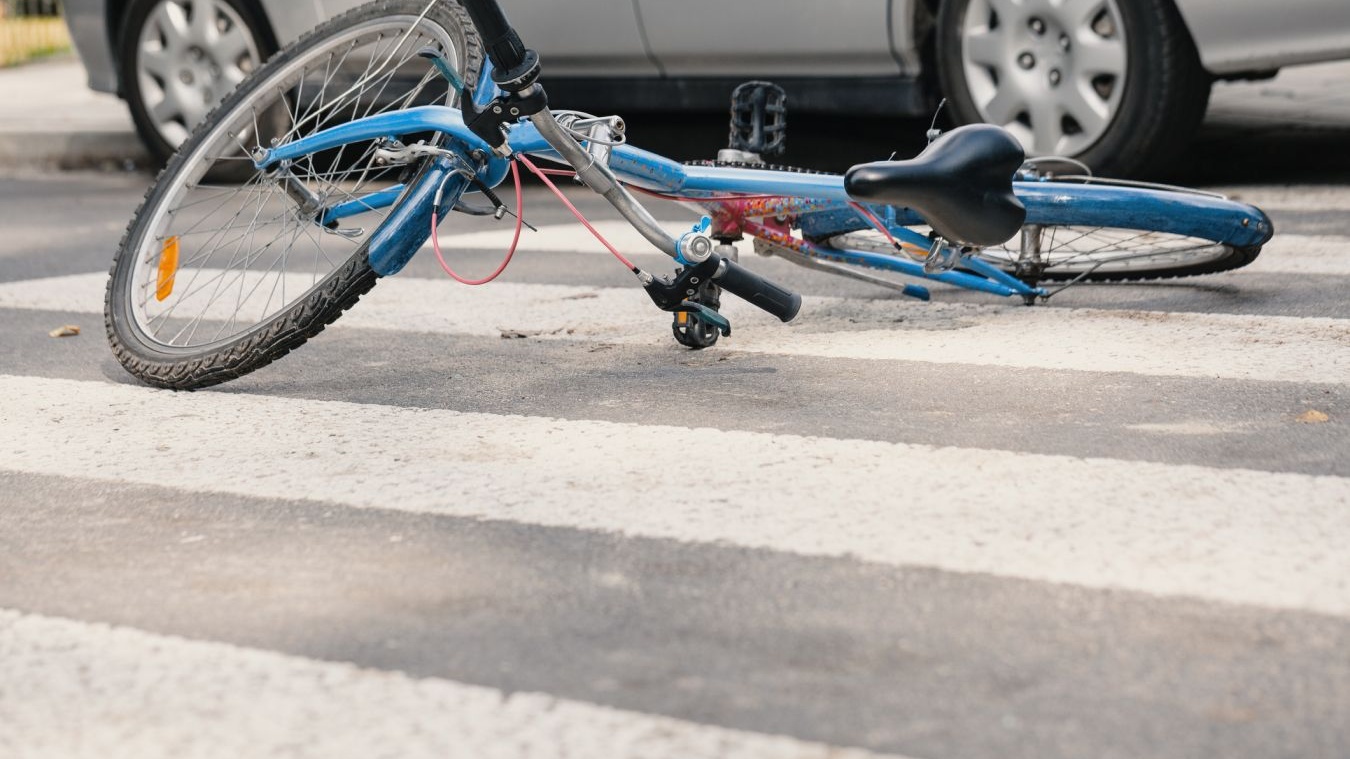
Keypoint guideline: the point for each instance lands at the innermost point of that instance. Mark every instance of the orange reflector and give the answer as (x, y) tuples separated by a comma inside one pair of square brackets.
[(681, 318), (168, 267)]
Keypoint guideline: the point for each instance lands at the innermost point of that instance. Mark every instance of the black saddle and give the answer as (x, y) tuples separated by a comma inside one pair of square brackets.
[(961, 184)]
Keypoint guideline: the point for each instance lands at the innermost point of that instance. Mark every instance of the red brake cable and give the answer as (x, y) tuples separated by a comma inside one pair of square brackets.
[(520, 219), (543, 176)]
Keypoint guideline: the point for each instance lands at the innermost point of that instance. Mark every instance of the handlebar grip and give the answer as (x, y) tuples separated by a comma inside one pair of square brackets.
[(742, 282), (503, 45)]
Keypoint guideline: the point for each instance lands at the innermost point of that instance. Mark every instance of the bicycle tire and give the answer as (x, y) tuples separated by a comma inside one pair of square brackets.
[(307, 86), (1104, 233)]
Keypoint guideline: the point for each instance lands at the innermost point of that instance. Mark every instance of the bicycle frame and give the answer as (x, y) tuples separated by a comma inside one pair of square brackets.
[(773, 194)]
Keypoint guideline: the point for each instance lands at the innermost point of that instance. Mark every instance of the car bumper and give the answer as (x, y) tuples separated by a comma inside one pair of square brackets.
[(88, 23)]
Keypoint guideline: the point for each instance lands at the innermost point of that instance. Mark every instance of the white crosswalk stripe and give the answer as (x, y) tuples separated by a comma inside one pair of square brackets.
[(1262, 348), (1284, 254), (559, 238), (1274, 198), (125, 693), (1302, 254), (1233, 535)]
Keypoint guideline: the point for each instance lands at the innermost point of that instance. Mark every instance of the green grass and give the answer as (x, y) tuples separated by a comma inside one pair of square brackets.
[(25, 39)]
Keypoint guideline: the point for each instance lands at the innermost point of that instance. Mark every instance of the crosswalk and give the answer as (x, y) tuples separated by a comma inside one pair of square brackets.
[(1140, 538), (1090, 522), (209, 699), (1265, 348), (1286, 253)]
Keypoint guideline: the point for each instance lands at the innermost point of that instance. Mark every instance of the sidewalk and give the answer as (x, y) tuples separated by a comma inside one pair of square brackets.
[(49, 118)]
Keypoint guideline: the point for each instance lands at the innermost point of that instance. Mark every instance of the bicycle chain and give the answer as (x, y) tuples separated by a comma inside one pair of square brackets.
[(760, 166)]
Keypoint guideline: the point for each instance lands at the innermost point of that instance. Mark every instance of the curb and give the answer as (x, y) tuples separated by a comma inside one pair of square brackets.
[(73, 151)]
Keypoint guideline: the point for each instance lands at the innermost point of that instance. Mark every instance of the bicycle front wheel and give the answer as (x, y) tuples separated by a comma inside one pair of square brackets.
[(226, 268)]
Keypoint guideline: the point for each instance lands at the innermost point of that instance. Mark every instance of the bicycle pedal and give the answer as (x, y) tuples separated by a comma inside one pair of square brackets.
[(690, 310), (758, 119)]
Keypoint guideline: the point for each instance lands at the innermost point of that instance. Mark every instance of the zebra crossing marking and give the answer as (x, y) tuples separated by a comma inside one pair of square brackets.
[(1284, 254), (1150, 343), (122, 692), (1239, 536)]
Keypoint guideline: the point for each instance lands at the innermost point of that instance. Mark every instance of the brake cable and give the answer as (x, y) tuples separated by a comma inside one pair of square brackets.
[(511, 252)]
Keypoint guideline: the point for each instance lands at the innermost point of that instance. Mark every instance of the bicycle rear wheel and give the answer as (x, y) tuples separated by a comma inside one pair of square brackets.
[(225, 268), (1111, 254), (1105, 233)]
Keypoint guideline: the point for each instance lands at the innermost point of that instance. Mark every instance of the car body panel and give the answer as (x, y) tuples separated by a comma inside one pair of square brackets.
[(838, 38), (566, 34), (88, 23), (292, 18), (1235, 36), (905, 20)]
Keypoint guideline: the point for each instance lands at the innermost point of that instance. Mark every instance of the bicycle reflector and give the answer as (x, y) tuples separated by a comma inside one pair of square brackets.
[(168, 268)]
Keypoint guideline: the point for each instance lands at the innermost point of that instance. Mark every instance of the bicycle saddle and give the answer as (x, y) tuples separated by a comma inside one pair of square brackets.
[(961, 184)]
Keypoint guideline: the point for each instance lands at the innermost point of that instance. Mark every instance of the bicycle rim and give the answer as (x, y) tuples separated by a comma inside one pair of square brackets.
[(1061, 253), (227, 249), (1103, 253)]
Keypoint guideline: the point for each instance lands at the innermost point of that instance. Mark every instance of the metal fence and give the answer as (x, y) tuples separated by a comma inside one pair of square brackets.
[(31, 29)]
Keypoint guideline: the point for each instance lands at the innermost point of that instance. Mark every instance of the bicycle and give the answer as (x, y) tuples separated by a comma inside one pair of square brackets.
[(331, 165)]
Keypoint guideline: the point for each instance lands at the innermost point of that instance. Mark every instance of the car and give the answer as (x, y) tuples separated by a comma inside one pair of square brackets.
[(1118, 84)]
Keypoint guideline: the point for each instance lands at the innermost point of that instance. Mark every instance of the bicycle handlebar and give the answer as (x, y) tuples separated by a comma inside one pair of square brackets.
[(512, 62), (760, 292), (515, 69)]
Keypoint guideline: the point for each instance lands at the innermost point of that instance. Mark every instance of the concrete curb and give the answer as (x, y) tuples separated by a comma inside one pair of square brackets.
[(51, 120), (73, 151)]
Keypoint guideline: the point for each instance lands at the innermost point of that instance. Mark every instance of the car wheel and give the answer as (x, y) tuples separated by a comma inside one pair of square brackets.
[(179, 58), (1116, 84)]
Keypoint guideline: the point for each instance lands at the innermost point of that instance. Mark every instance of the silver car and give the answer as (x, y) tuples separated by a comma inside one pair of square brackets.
[(1119, 84)]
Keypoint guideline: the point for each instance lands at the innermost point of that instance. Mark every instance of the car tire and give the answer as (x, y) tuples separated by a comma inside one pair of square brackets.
[(1119, 87), (180, 58)]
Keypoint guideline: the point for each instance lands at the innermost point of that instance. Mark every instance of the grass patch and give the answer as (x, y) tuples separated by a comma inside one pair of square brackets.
[(25, 39)]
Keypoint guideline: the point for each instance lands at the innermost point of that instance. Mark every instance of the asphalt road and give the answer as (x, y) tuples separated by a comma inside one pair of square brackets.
[(521, 521)]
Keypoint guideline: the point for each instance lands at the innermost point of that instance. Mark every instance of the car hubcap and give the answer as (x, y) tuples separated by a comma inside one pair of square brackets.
[(191, 54), (1050, 71)]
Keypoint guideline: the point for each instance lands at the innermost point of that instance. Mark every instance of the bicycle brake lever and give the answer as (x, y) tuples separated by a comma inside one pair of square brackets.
[(673, 295), (669, 295), (443, 67)]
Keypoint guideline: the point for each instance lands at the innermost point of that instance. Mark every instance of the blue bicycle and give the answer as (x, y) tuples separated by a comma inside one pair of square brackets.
[(332, 164)]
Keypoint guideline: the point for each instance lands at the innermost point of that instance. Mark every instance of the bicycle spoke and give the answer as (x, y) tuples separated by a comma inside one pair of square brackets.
[(1075, 252), (242, 250)]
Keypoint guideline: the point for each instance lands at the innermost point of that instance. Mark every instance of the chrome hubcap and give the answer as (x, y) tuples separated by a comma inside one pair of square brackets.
[(1050, 71), (191, 54)]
